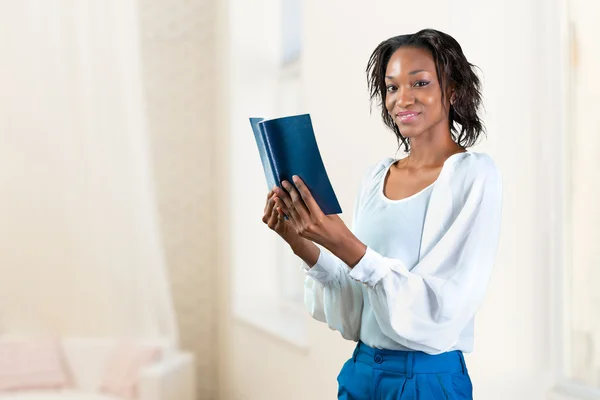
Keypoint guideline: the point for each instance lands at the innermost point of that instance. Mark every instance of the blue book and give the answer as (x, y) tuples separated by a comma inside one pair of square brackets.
[(288, 147)]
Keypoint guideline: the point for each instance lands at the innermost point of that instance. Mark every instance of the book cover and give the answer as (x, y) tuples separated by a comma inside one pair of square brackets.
[(287, 147)]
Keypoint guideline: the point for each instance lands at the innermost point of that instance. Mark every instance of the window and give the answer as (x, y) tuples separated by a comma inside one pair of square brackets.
[(291, 31), (266, 71), (573, 168), (583, 249), (289, 102)]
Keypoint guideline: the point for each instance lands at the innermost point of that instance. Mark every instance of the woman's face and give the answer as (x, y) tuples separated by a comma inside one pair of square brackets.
[(413, 94)]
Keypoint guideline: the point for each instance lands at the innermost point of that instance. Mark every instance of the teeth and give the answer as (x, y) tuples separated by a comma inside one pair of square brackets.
[(407, 116)]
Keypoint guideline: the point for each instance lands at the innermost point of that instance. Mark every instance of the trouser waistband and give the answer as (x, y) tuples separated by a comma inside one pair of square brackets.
[(410, 362)]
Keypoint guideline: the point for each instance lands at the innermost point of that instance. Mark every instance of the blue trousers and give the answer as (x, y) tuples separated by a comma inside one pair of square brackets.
[(374, 374)]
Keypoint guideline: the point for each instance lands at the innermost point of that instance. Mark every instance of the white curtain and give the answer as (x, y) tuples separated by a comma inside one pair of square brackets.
[(584, 140), (80, 247)]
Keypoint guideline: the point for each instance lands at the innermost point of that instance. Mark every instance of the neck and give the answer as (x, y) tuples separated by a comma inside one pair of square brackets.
[(432, 149)]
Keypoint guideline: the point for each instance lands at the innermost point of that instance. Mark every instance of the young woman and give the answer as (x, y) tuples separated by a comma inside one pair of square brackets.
[(407, 280)]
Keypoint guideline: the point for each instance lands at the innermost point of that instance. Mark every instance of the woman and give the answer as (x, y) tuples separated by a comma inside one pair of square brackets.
[(406, 282)]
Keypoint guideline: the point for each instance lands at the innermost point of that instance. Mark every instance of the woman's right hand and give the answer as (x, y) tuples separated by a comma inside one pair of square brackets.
[(275, 211), (274, 217)]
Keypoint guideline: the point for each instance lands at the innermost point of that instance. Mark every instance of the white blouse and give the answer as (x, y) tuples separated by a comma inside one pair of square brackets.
[(428, 261)]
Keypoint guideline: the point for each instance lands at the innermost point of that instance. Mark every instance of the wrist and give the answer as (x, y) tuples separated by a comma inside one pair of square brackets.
[(307, 251), (299, 244), (350, 250)]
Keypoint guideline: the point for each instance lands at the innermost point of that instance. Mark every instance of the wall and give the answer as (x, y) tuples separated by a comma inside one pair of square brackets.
[(178, 59), (512, 354)]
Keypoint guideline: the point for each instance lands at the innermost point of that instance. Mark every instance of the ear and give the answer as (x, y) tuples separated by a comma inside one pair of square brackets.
[(452, 95)]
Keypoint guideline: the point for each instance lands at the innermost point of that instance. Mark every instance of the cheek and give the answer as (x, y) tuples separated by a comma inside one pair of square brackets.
[(433, 103), (431, 99), (389, 103)]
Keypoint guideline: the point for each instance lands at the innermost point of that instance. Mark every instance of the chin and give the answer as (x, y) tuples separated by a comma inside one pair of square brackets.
[(410, 132)]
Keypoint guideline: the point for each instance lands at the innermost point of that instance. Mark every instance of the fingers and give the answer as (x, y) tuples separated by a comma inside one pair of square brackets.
[(296, 204), (285, 206), (274, 213), (281, 207), (273, 219), (269, 195), (269, 209), (287, 202), (308, 199), (279, 224)]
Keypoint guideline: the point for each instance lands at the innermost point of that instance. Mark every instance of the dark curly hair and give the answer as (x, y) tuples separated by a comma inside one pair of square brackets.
[(453, 70)]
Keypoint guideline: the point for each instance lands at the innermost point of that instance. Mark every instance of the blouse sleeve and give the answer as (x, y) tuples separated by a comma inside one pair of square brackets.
[(332, 297), (425, 306), (330, 294)]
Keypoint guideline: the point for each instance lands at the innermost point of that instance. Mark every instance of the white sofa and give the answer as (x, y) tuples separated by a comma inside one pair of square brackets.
[(171, 378)]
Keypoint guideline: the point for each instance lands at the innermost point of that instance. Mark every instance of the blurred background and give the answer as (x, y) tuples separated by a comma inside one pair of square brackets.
[(131, 190)]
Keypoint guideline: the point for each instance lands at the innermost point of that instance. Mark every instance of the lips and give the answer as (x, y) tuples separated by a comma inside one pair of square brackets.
[(407, 116)]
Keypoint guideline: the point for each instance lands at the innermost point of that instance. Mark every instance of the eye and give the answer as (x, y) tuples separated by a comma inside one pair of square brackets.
[(421, 83), (390, 88)]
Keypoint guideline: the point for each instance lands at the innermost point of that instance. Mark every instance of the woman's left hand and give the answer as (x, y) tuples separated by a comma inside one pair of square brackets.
[(308, 219)]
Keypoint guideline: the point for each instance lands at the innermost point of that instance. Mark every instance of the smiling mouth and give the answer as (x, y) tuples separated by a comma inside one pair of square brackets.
[(407, 117)]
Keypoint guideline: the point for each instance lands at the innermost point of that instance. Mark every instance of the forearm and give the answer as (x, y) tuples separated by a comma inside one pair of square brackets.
[(307, 251), (349, 249)]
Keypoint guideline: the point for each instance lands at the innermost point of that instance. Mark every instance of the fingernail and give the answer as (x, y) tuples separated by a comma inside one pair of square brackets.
[(295, 178)]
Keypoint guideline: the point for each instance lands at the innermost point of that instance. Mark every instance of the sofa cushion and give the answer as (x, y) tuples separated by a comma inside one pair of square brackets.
[(88, 358), (33, 364), (123, 368)]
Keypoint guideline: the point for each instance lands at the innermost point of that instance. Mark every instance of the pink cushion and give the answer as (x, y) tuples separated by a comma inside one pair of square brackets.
[(29, 364), (123, 367)]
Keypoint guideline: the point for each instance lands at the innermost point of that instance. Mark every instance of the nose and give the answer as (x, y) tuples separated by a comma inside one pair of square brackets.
[(405, 96)]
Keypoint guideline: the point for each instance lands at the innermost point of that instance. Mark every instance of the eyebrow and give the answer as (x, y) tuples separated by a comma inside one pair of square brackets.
[(410, 73)]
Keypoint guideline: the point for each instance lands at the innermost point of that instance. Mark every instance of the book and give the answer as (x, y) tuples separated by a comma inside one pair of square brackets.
[(288, 147)]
